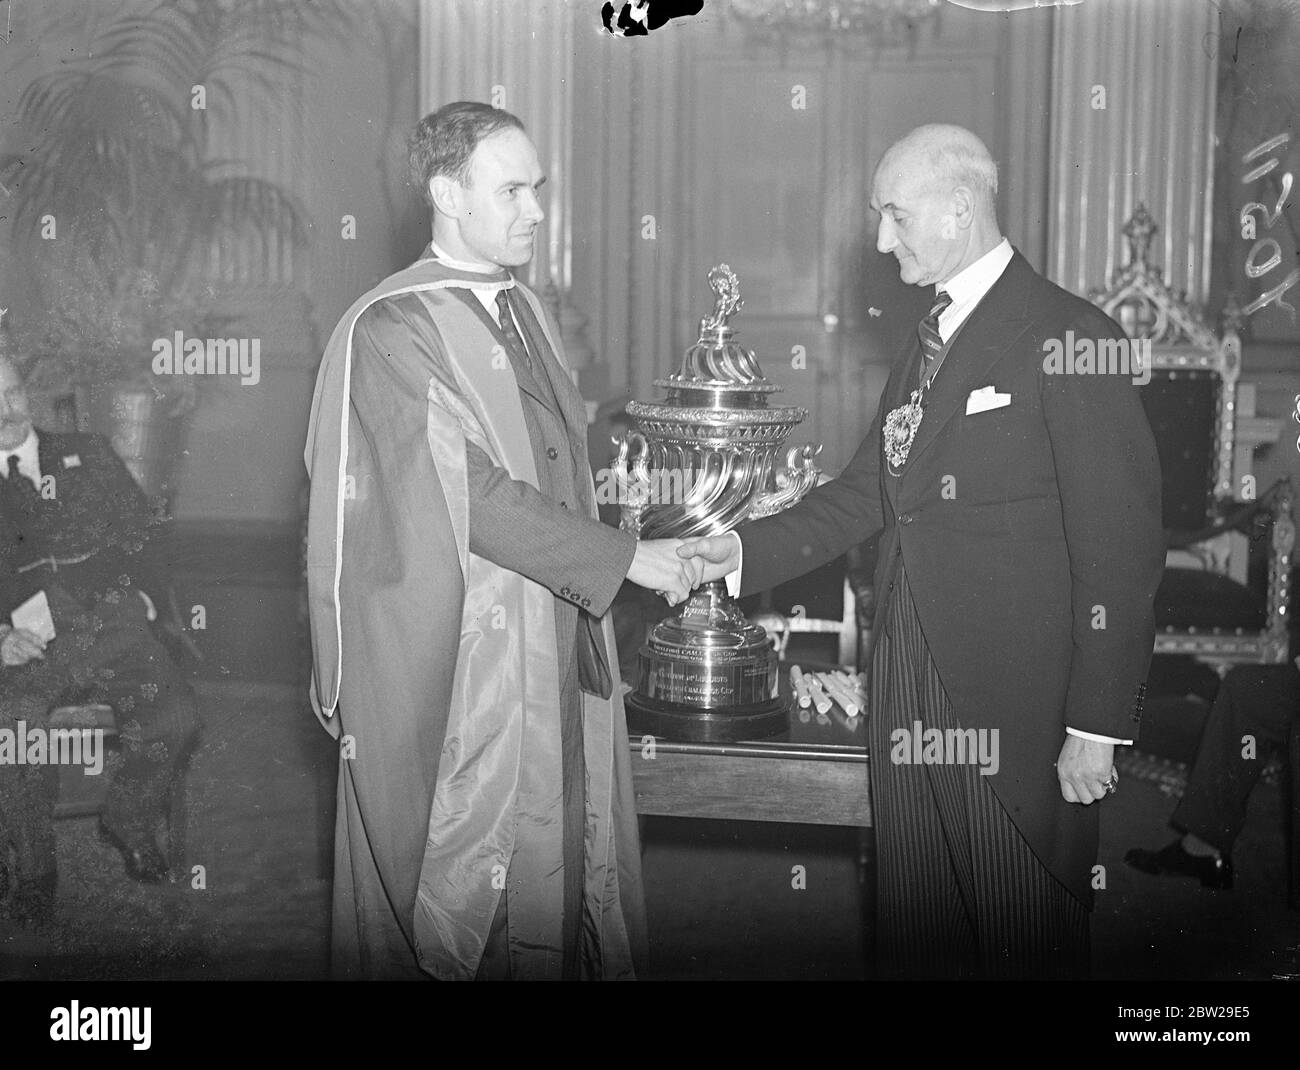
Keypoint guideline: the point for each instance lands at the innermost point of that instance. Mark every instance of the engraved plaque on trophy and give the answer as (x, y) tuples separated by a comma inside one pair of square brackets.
[(702, 461)]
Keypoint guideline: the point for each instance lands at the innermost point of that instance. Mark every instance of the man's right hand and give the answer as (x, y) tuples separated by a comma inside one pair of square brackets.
[(18, 646), (718, 554), (657, 567)]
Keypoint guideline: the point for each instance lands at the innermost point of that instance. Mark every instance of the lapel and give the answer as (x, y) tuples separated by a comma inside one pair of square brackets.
[(51, 448), (527, 383), (538, 337), (991, 331)]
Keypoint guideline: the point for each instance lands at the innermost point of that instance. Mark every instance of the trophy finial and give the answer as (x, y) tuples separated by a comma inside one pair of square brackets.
[(1139, 230), (723, 282), (717, 360)]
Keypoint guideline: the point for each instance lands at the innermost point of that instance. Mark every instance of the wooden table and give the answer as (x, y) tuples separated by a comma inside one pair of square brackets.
[(814, 773)]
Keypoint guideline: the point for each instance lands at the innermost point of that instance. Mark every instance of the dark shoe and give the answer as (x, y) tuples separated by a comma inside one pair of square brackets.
[(1213, 872), (33, 900), (144, 861)]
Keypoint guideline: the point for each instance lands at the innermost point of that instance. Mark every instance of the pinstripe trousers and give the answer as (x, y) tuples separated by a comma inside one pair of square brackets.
[(959, 892)]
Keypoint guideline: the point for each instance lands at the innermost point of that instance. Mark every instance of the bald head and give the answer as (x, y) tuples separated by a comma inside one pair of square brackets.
[(948, 156), (936, 192)]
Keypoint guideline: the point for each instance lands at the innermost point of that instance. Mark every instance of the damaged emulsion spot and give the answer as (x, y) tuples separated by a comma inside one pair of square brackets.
[(638, 18)]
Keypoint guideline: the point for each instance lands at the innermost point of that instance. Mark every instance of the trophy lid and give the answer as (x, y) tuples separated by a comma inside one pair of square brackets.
[(717, 362)]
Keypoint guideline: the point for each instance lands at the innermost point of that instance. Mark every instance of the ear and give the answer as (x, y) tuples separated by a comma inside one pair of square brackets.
[(447, 194), (963, 204)]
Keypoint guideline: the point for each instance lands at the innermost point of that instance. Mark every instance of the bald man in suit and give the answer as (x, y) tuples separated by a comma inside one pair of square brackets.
[(1021, 553)]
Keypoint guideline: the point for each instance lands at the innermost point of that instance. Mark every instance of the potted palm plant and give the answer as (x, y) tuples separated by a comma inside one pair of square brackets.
[(129, 216)]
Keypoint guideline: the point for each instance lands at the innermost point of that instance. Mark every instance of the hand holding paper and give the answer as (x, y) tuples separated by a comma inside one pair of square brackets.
[(18, 646), (33, 627), (34, 616)]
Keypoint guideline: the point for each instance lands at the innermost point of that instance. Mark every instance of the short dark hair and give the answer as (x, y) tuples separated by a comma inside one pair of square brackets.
[(444, 140)]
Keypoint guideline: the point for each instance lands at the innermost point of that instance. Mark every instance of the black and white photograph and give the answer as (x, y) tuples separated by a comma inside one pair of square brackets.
[(675, 490)]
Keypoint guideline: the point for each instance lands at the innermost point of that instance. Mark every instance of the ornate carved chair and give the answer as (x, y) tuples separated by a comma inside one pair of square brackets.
[(818, 612), (1224, 598)]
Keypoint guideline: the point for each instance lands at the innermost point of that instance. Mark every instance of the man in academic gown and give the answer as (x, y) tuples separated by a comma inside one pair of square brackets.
[(1021, 553), (459, 584)]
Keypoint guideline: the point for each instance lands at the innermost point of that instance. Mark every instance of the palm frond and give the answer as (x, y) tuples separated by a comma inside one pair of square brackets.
[(111, 147)]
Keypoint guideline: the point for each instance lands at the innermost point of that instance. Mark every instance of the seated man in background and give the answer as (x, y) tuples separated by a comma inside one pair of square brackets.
[(1255, 705), (30, 684), (74, 534), (27, 869)]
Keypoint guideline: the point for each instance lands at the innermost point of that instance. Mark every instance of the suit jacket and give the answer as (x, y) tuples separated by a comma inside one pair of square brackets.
[(1032, 540), (94, 507)]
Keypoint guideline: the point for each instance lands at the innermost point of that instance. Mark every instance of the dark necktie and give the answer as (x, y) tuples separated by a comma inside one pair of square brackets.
[(20, 496), (928, 331), (513, 341), (17, 481)]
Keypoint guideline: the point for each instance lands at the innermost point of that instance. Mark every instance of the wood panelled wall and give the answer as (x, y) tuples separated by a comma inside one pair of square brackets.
[(1133, 103), (698, 145)]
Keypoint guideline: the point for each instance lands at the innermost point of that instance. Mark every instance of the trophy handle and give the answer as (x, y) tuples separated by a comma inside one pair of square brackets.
[(798, 478), (631, 478)]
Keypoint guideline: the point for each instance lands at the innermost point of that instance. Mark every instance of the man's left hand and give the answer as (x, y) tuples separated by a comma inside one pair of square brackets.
[(1084, 768), (18, 646)]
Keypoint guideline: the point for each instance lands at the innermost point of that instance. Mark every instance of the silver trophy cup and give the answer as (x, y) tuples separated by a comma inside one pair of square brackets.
[(702, 461)]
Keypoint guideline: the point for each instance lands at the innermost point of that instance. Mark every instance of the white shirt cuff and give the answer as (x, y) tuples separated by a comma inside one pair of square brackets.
[(733, 578), (1100, 739)]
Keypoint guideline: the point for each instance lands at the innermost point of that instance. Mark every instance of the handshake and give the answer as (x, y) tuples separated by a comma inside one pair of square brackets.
[(675, 567)]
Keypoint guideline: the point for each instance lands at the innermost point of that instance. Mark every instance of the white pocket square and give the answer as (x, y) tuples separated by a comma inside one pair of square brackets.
[(985, 398)]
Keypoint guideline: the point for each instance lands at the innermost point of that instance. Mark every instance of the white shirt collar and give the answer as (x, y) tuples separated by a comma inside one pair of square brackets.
[(968, 287), (975, 280), (462, 265), (487, 293)]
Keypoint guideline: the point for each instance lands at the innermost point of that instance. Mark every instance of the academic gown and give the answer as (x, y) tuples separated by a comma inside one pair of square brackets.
[(441, 672)]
